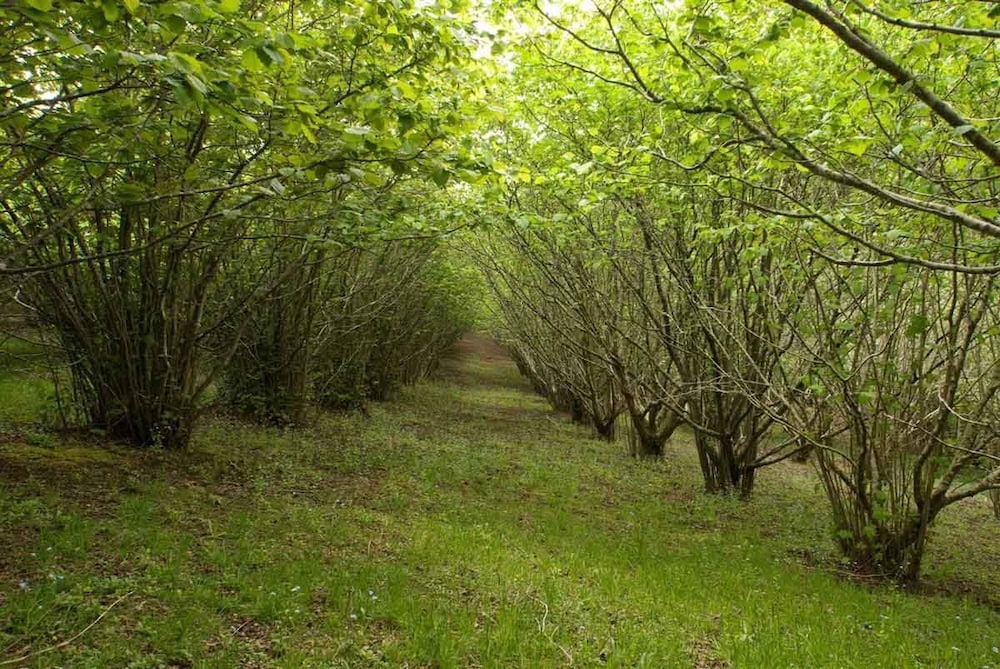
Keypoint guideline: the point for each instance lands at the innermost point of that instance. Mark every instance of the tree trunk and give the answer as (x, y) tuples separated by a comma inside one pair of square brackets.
[(725, 467), (646, 447), (605, 430)]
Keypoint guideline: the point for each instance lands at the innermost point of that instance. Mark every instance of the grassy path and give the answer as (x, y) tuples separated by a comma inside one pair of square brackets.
[(463, 525)]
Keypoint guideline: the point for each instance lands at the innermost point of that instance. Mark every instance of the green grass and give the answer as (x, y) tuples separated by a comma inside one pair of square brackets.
[(26, 390), (463, 525)]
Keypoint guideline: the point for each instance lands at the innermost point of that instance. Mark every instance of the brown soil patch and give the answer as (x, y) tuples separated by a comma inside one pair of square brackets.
[(482, 346), (92, 487), (703, 651), (491, 364), (959, 587), (254, 637), (703, 655), (18, 541)]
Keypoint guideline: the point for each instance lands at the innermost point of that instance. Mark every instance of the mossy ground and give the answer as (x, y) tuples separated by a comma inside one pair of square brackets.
[(461, 525)]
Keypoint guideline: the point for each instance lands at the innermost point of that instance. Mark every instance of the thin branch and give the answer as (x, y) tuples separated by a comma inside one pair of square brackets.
[(63, 644)]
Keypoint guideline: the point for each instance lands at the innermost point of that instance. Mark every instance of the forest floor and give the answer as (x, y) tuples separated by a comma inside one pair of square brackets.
[(463, 524)]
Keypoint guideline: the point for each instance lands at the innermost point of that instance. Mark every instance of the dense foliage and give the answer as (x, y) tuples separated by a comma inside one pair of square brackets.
[(186, 181), (776, 224)]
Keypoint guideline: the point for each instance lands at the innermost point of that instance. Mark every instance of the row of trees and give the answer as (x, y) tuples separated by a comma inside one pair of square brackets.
[(775, 223), (242, 197), (776, 230)]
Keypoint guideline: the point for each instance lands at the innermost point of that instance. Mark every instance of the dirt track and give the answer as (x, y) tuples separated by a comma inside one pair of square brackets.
[(482, 346)]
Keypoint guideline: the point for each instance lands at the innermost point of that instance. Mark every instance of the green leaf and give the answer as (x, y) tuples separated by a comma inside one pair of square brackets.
[(918, 325), (40, 5), (131, 5), (963, 129), (269, 55), (131, 192), (251, 61), (248, 122), (196, 83), (186, 62), (406, 90), (229, 6), (856, 146), (440, 176), (174, 24), (111, 11)]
